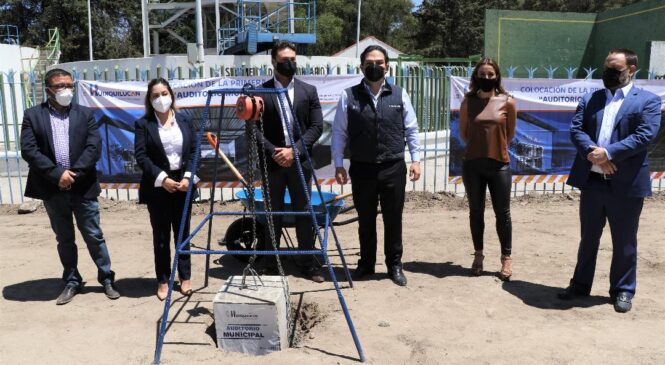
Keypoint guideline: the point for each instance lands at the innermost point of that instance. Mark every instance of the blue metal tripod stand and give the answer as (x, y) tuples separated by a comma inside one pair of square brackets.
[(322, 238)]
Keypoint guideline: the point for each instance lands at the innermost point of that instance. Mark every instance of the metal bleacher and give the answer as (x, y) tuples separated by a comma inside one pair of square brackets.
[(257, 24), (9, 34)]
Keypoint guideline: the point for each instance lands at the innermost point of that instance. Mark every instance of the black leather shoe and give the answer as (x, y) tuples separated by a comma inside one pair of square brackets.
[(110, 291), (68, 294), (314, 274), (362, 271), (397, 275), (623, 302), (572, 292)]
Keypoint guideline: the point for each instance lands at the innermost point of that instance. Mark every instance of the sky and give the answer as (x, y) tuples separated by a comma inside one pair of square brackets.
[(416, 3)]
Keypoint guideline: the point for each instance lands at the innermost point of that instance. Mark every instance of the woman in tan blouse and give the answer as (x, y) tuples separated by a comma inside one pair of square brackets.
[(487, 125)]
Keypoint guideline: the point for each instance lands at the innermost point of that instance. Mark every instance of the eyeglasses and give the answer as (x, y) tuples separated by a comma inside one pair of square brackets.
[(58, 87)]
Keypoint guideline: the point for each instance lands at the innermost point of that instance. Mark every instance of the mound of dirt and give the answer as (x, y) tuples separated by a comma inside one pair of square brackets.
[(105, 205), (555, 198), (203, 207), (415, 200), (657, 197), (12, 209), (307, 317), (114, 205), (418, 200)]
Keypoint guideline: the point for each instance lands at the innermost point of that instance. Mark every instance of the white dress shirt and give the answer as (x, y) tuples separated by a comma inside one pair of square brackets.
[(172, 141), (340, 135), (612, 105), (289, 118)]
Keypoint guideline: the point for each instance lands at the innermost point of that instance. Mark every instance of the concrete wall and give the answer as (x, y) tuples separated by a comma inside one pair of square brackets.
[(541, 39), (226, 64), (364, 43), (11, 55), (537, 39), (12, 103), (633, 27)]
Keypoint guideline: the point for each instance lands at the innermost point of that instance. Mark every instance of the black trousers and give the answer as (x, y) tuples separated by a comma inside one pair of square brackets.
[(279, 180), (165, 217), (480, 174), (382, 183)]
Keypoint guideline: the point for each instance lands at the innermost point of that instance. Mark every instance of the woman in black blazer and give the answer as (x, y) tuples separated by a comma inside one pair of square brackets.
[(164, 147)]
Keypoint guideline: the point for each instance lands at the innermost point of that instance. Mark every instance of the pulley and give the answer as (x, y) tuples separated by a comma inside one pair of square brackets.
[(249, 108)]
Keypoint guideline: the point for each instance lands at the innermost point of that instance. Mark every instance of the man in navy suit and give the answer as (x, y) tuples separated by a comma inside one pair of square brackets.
[(611, 130), (61, 144), (280, 152)]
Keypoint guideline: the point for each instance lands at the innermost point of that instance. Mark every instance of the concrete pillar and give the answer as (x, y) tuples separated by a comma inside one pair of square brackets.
[(199, 32), (146, 28), (155, 42)]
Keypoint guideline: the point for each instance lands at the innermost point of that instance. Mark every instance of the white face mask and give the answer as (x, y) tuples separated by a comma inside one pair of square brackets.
[(64, 97), (162, 104)]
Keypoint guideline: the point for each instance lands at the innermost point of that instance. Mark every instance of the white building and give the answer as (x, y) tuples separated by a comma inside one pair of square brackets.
[(14, 60), (352, 52)]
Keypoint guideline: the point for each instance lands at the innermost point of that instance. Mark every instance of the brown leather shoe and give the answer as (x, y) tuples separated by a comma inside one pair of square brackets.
[(477, 266), (506, 268)]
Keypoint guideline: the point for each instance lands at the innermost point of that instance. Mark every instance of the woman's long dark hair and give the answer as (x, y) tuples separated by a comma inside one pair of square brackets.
[(473, 84), (149, 110)]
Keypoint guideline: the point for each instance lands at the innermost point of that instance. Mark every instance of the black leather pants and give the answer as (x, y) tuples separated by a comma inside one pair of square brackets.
[(480, 174)]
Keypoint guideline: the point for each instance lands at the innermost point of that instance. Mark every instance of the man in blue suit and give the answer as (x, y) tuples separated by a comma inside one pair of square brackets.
[(60, 142), (611, 130)]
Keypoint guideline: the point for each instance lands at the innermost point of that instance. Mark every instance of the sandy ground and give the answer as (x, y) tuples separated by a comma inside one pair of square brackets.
[(442, 316)]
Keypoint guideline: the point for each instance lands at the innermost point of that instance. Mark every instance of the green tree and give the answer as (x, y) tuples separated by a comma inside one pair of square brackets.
[(403, 36), (335, 26), (389, 20), (116, 26), (329, 40), (454, 28)]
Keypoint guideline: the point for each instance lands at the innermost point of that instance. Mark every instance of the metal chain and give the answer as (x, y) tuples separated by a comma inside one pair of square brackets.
[(266, 200), (251, 161), (271, 228)]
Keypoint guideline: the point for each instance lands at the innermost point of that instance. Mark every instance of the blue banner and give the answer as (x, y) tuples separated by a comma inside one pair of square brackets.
[(545, 108), (118, 104)]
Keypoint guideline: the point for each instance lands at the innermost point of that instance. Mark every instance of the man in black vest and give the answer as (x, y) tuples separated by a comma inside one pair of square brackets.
[(375, 120), (282, 170)]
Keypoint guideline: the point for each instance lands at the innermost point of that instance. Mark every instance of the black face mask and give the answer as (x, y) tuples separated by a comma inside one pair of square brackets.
[(486, 85), (286, 68), (613, 78), (374, 72)]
